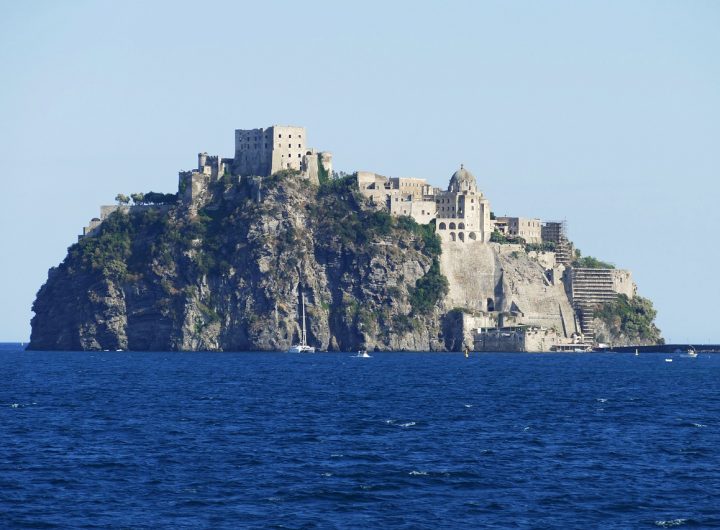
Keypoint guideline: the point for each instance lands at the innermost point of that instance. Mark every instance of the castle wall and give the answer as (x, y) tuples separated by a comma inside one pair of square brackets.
[(502, 278), (263, 152), (528, 229), (326, 162), (310, 166), (377, 188), (623, 283), (422, 211), (253, 151), (532, 339), (288, 148)]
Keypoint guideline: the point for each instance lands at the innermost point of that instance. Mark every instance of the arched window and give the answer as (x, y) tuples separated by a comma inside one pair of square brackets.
[(461, 226), (442, 226), (452, 236), (461, 236), (452, 226), (472, 236)]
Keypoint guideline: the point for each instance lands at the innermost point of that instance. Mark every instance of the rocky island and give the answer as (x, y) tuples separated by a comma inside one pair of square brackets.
[(381, 263)]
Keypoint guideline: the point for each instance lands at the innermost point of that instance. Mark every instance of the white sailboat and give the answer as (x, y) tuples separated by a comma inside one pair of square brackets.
[(303, 346)]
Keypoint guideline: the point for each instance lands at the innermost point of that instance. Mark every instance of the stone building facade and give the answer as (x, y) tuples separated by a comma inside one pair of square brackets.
[(530, 230), (463, 212), (263, 152)]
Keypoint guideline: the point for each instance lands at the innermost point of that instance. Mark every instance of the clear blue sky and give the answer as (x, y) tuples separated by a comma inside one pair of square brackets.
[(606, 114)]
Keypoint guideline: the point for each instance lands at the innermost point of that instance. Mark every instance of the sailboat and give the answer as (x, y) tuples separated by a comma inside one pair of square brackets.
[(303, 346)]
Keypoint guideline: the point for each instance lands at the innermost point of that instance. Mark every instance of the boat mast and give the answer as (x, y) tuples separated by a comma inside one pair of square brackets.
[(303, 339)]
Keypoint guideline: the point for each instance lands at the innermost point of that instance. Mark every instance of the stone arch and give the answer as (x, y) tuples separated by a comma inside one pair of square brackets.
[(472, 236), (442, 226), (461, 236), (490, 304), (452, 226), (452, 236), (461, 226), (308, 153)]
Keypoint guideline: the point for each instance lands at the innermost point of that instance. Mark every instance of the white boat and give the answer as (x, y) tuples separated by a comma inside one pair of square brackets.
[(303, 346), (363, 354), (692, 352), (668, 360)]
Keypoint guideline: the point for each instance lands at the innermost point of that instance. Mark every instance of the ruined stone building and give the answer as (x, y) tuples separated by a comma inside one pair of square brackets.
[(258, 153), (263, 152), (530, 230)]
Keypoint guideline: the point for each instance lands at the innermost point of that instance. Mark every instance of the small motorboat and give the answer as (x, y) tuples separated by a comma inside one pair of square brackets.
[(692, 352), (363, 354)]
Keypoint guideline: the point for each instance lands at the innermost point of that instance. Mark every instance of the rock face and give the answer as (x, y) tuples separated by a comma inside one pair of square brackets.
[(503, 278), (227, 267), (231, 277)]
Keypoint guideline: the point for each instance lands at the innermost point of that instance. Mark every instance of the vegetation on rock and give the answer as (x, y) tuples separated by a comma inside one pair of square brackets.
[(589, 262), (628, 321), (230, 276)]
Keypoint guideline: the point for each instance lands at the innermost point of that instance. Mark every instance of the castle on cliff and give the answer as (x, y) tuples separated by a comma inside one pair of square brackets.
[(536, 304)]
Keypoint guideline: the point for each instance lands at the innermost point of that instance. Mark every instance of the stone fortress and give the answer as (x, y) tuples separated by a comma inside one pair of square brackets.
[(512, 297)]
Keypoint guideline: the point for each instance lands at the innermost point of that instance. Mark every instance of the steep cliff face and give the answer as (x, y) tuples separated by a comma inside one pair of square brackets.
[(627, 322), (227, 270), (485, 277), (232, 277)]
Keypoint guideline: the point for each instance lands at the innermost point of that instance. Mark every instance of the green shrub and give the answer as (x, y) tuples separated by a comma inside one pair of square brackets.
[(633, 318), (323, 176), (588, 262), (545, 246), (499, 237), (428, 290)]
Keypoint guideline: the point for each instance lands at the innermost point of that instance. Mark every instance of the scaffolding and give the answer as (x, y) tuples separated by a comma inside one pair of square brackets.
[(590, 288), (556, 232)]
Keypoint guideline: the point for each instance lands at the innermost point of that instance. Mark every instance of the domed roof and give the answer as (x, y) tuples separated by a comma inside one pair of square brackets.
[(462, 180)]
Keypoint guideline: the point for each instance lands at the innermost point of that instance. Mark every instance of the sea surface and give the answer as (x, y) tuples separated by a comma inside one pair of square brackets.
[(401, 440)]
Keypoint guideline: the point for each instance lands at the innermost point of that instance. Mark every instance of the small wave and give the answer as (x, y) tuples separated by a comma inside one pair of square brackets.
[(467, 406), (420, 473), (14, 405), (601, 400), (526, 428), (407, 424), (390, 422), (326, 474), (670, 523), (692, 424)]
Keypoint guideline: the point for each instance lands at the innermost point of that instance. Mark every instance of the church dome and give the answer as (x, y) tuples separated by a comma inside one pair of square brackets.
[(462, 180)]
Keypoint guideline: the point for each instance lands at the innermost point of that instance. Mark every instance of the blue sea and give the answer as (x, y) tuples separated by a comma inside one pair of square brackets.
[(401, 440)]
